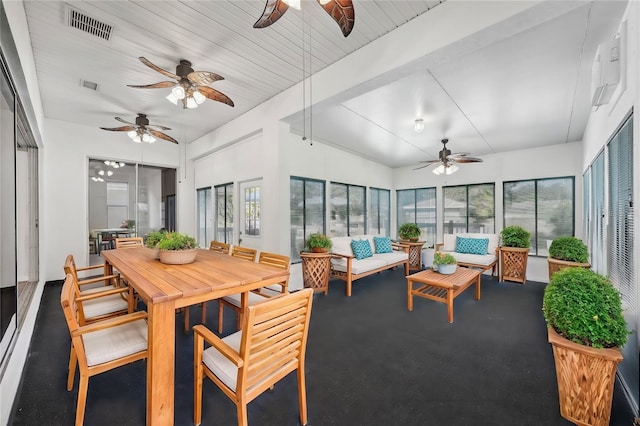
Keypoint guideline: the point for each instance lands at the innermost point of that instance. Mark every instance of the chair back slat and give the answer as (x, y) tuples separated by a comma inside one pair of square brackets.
[(274, 339), (129, 242), (276, 260), (244, 253), (68, 295), (70, 266), (219, 247)]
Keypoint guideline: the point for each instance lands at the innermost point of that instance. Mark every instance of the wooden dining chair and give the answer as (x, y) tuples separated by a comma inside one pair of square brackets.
[(279, 261), (129, 242), (100, 346), (244, 253), (98, 279), (218, 247), (271, 344), (234, 301)]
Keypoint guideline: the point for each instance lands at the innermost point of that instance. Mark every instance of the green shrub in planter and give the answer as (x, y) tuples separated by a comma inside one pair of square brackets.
[(515, 236), (440, 258), (154, 238), (177, 241), (583, 306), (409, 231), (318, 241), (569, 248)]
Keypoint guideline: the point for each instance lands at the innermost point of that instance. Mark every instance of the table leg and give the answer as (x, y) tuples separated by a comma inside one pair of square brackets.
[(478, 287), (409, 295), (450, 304), (160, 364)]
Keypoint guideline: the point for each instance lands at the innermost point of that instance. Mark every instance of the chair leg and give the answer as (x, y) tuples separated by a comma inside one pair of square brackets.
[(198, 347), (203, 308), (73, 360), (302, 396), (187, 320), (82, 399), (242, 413), (220, 315)]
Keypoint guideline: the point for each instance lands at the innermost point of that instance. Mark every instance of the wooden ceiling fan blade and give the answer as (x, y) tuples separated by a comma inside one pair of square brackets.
[(120, 129), (161, 135), (202, 78), (422, 167), (468, 160), (273, 10), (158, 69), (157, 127), (161, 85), (342, 12), (430, 161), (215, 95), (124, 121)]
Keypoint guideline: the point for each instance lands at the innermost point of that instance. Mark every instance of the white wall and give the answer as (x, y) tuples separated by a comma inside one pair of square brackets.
[(65, 225)]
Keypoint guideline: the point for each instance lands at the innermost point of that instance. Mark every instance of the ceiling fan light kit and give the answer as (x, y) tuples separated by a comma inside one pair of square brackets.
[(448, 169), (141, 131)]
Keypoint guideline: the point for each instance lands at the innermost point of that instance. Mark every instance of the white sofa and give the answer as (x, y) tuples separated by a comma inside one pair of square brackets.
[(346, 267), (485, 261)]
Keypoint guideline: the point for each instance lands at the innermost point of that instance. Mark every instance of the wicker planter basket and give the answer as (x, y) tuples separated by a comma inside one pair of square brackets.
[(586, 377), (315, 271), (178, 257), (513, 264), (555, 265)]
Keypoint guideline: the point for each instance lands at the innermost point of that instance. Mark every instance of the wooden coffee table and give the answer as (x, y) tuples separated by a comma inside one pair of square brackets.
[(441, 288)]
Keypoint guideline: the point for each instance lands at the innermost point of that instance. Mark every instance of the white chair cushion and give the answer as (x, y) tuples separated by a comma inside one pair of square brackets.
[(219, 365), (104, 305), (362, 265), (477, 259), (395, 257), (254, 298), (112, 343)]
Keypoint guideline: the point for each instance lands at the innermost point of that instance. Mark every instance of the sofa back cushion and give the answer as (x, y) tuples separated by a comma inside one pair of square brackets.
[(471, 245), (383, 244), (450, 241), (361, 249)]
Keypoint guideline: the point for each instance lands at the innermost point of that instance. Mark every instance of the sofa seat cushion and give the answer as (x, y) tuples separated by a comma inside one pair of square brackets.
[(391, 258), (359, 266), (476, 259)]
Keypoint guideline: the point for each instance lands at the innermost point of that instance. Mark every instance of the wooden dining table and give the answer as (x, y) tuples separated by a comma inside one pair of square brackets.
[(164, 288)]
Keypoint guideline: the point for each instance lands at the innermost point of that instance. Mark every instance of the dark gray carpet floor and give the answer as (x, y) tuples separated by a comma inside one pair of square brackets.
[(369, 362)]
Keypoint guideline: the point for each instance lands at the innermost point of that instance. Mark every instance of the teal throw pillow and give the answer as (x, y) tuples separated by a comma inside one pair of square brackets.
[(472, 245), (361, 249), (383, 244)]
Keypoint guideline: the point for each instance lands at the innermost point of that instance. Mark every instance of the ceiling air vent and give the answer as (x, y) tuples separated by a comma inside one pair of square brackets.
[(83, 22)]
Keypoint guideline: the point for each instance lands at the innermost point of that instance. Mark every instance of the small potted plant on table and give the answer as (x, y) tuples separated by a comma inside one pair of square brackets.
[(444, 262), (318, 243), (565, 252), (409, 231), (586, 328), (514, 253), (177, 249)]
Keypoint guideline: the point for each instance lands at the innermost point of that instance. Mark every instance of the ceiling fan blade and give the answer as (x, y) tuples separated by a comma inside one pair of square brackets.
[(157, 68), (214, 95), (124, 121), (157, 127), (342, 12), (273, 10), (202, 78), (422, 167), (459, 154), (161, 85), (161, 135), (431, 161), (468, 160), (119, 129)]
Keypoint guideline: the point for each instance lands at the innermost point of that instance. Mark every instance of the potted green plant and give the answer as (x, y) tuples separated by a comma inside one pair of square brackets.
[(565, 252), (444, 262), (409, 231), (514, 253), (176, 248), (154, 238), (586, 328), (318, 243)]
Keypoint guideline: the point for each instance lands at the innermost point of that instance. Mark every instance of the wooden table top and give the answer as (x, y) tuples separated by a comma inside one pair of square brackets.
[(460, 277), (212, 275)]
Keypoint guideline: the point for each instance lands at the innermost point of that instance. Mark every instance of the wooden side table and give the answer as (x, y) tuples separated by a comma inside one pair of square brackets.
[(315, 271), (415, 254)]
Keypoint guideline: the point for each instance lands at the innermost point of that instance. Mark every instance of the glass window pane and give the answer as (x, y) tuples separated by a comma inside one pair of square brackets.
[(339, 209), (224, 213), (307, 206), (554, 207), (426, 214), (357, 210), (481, 208), (455, 209)]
